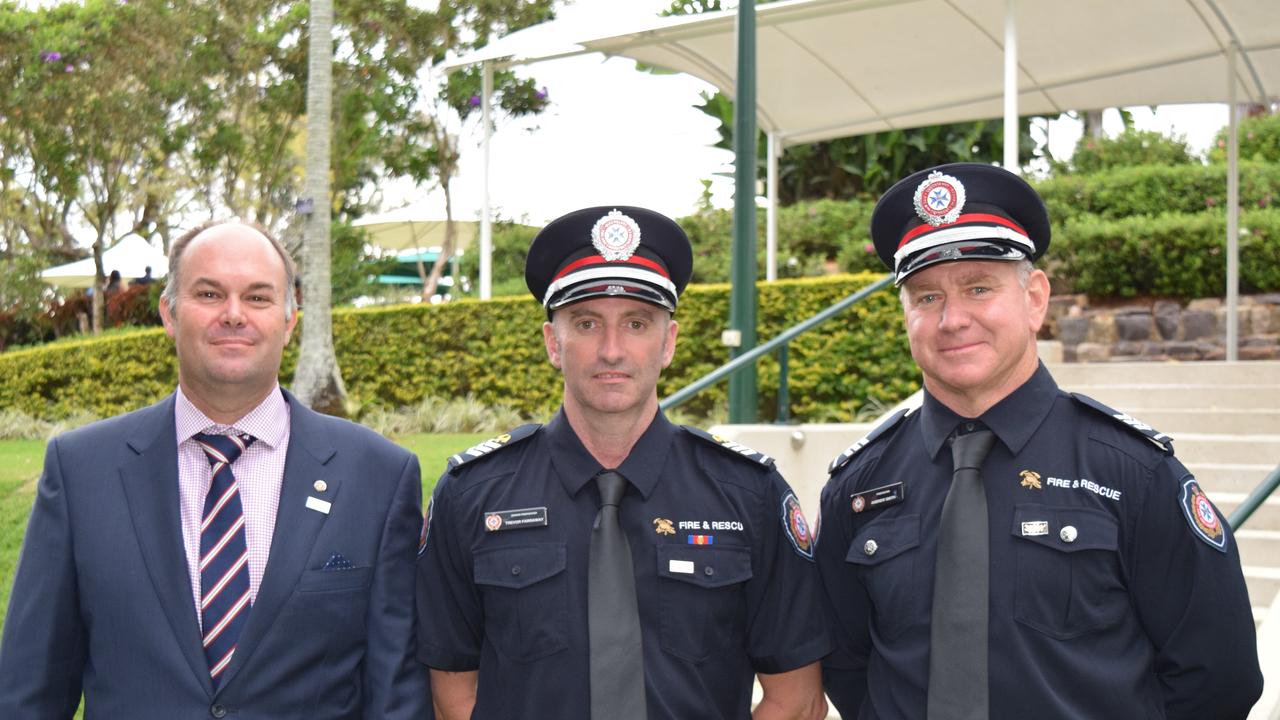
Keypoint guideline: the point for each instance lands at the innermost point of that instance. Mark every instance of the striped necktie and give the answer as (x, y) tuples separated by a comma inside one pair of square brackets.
[(224, 555)]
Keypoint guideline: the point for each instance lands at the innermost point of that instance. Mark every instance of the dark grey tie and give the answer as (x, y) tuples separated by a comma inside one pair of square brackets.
[(613, 618), (958, 636)]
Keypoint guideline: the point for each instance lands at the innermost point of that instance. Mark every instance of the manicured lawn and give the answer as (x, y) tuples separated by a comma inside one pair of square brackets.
[(21, 462)]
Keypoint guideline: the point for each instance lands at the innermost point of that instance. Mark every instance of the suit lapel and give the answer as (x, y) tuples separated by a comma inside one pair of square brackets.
[(151, 488), (297, 527)]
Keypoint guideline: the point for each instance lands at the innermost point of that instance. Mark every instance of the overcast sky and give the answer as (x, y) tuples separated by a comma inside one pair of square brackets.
[(617, 136)]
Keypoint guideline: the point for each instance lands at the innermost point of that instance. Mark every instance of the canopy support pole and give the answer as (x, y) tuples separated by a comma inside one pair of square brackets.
[(771, 214), (1011, 87), (486, 226), (1233, 210)]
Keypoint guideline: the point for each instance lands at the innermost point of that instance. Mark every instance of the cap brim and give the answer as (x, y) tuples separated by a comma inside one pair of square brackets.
[(612, 288), (960, 250)]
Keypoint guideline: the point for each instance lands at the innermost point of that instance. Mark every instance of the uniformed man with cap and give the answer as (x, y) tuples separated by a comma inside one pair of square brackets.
[(611, 565), (1012, 550)]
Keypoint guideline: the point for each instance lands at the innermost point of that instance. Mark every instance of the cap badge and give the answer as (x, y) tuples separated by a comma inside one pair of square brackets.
[(939, 199), (615, 236)]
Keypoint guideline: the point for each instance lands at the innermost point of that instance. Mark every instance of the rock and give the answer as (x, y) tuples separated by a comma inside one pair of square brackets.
[(1152, 350), (1264, 318), (1102, 328), (1258, 352), (1197, 324), (1184, 350), (1242, 317), (1073, 330), (1131, 310), (1205, 304), (1126, 348), (1133, 327), (1092, 352), (1167, 313)]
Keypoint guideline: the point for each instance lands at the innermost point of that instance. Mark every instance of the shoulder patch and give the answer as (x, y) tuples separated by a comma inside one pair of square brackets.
[(1164, 441), (1201, 515), (795, 527), (731, 446), (492, 445), (843, 458)]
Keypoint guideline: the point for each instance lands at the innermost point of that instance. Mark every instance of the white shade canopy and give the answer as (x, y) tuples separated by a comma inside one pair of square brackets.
[(131, 256), (835, 68), (410, 228)]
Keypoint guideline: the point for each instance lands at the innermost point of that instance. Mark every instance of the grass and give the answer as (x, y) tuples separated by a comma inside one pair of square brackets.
[(22, 460)]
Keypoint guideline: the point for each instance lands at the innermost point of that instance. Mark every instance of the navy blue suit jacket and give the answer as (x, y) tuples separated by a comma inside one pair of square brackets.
[(102, 601)]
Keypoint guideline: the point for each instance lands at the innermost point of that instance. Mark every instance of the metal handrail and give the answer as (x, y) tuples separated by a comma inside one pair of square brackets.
[(1255, 499), (686, 393)]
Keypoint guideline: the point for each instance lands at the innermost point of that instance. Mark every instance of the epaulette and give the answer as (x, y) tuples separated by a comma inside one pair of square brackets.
[(843, 458), (731, 446), (492, 445), (1164, 441)]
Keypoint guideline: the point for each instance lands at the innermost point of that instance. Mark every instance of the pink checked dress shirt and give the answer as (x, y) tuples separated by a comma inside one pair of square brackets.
[(259, 473)]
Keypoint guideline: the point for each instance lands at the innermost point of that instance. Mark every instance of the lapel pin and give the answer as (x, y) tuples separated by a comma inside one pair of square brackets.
[(320, 485)]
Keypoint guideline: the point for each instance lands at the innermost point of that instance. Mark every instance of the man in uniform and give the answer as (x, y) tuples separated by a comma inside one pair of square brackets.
[(1011, 550), (611, 565)]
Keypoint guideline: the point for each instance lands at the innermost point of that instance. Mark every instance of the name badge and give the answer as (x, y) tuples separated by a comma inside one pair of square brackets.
[(1035, 528), (681, 566), (880, 497), (495, 520), (315, 503)]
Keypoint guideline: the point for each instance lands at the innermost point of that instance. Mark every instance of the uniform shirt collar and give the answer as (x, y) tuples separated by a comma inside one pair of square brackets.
[(267, 423), (642, 467), (1014, 419)]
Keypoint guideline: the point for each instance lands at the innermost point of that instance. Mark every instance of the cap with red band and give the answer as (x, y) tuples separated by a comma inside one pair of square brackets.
[(961, 211), (613, 250)]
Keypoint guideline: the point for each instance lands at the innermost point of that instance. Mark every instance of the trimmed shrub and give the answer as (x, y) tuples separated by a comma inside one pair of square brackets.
[(1175, 254), (1154, 190), (492, 351)]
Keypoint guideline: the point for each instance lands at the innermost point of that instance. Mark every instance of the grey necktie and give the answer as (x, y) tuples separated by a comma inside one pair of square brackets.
[(958, 635), (613, 617)]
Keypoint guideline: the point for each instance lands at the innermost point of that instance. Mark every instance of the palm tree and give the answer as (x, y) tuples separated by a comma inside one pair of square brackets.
[(317, 381)]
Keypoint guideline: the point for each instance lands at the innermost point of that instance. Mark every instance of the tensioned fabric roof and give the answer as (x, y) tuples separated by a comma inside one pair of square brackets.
[(834, 68)]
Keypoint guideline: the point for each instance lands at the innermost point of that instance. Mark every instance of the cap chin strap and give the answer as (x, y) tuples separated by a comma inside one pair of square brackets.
[(960, 234), (605, 273)]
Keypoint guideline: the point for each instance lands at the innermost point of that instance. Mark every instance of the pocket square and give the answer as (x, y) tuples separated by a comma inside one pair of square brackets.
[(337, 562)]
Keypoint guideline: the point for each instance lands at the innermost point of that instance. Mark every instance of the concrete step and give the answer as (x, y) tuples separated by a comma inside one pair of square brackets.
[(1236, 421), (1069, 375), (1258, 547), (1217, 477), (1153, 395), (1263, 583), (1246, 449)]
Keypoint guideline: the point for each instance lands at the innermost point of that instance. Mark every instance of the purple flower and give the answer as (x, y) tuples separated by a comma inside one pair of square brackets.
[(71, 68), (50, 56), (475, 100), (542, 94)]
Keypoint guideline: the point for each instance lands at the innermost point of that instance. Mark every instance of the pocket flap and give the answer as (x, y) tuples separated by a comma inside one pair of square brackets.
[(1066, 529), (518, 566), (883, 539), (705, 566)]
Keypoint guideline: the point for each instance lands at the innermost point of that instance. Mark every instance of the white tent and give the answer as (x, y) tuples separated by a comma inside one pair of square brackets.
[(409, 228), (835, 68), (131, 256)]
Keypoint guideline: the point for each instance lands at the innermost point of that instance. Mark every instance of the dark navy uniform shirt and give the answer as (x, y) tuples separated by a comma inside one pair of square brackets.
[(1109, 598), (724, 573)]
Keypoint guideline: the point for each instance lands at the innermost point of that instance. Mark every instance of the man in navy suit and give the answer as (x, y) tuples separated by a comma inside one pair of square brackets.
[(227, 551)]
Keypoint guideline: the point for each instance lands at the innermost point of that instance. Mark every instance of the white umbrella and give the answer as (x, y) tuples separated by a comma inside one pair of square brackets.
[(409, 228), (131, 256)]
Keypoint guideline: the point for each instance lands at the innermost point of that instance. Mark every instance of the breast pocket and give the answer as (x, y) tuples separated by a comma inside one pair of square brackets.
[(886, 551), (702, 604), (525, 598), (1069, 580)]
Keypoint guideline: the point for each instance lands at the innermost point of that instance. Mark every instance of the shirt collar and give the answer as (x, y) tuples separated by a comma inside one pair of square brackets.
[(642, 468), (267, 423), (1014, 419)]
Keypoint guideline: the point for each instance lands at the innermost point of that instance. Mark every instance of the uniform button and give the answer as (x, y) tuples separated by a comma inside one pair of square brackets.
[(1068, 534), (708, 571), (515, 569), (218, 711), (870, 548)]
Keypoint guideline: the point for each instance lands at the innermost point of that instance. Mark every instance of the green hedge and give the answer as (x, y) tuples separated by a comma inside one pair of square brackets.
[(1155, 190), (1174, 254), (396, 356)]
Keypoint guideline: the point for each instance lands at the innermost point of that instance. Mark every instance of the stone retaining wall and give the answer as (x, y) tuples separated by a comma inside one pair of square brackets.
[(1162, 329)]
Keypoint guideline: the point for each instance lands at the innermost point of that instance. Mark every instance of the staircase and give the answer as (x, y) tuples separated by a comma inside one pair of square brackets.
[(1224, 419)]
